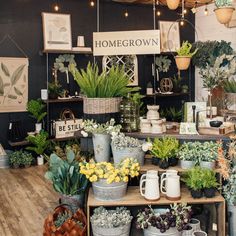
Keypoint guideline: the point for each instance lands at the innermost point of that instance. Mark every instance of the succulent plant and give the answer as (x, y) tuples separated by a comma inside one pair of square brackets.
[(62, 218)]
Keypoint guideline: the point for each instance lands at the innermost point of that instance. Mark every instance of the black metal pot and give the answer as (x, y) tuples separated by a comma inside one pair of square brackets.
[(155, 161), (196, 193), (209, 192), (163, 164), (173, 161)]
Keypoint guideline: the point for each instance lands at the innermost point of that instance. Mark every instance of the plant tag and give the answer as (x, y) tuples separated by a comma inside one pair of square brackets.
[(214, 227)]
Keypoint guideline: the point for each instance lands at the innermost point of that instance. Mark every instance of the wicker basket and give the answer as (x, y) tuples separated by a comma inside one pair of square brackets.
[(101, 105)]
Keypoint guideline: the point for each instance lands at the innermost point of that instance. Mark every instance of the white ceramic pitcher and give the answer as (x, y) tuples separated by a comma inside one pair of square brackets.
[(170, 186), (148, 174), (149, 186), (167, 173)]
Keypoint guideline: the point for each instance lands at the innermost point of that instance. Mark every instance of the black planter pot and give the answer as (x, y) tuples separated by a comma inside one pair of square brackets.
[(209, 192), (196, 193), (155, 161), (163, 164), (53, 96), (173, 161)]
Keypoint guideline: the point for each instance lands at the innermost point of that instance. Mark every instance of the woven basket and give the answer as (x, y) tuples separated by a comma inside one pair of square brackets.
[(101, 105)]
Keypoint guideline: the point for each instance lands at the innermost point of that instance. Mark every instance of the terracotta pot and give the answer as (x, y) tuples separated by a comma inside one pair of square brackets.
[(224, 14), (182, 62), (173, 4)]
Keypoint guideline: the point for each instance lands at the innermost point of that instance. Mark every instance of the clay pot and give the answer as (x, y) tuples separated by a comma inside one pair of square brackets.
[(182, 62), (173, 4), (224, 14)]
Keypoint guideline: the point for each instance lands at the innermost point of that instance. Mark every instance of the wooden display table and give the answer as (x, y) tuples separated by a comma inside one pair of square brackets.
[(133, 198)]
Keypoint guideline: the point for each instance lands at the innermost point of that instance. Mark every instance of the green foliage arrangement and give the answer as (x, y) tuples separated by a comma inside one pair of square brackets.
[(185, 50), (36, 108), (104, 85), (223, 3), (62, 218), (40, 142), (165, 147), (229, 190), (20, 157), (163, 63), (54, 89), (208, 52), (172, 114), (230, 86), (65, 175), (209, 179)]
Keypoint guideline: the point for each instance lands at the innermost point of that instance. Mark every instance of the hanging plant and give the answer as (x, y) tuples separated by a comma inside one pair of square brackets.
[(63, 62), (224, 10)]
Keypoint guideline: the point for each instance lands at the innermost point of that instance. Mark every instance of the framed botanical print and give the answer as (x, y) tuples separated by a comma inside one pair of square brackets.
[(57, 31), (170, 36)]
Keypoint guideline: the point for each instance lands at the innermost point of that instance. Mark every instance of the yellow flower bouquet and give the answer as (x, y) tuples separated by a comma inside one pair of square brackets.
[(112, 173)]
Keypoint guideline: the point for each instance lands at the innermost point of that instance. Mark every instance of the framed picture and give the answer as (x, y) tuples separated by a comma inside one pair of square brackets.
[(170, 37), (57, 31)]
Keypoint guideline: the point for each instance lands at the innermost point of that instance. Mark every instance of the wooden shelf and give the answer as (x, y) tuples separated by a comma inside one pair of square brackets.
[(78, 99), (167, 95), (134, 198), (68, 51)]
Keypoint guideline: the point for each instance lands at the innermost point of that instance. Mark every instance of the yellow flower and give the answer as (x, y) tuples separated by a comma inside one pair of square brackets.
[(117, 179), (105, 176), (93, 178), (92, 166), (126, 179)]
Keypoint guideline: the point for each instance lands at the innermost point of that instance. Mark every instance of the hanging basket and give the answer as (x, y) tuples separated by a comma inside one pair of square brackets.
[(182, 62), (101, 105), (224, 14), (173, 4)]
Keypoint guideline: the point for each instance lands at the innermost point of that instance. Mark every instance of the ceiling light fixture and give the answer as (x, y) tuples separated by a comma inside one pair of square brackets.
[(56, 7), (158, 13), (92, 3)]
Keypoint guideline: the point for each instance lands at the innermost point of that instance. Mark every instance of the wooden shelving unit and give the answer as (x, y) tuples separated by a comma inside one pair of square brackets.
[(77, 99), (167, 95), (67, 51), (133, 198)]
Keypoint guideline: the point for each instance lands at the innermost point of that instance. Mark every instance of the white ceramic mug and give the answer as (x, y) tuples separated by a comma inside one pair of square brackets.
[(170, 186), (151, 189), (44, 94), (149, 174), (167, 173)]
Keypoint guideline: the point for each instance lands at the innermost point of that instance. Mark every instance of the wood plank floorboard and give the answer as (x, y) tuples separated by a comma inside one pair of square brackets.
[(26, 198)]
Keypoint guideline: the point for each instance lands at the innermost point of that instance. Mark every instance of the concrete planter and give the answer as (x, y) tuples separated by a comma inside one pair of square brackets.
[(153, 231), (186, 164), (208, 164)]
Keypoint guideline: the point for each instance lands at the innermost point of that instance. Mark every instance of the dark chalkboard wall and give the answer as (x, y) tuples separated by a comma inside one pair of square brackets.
[(21, 19)]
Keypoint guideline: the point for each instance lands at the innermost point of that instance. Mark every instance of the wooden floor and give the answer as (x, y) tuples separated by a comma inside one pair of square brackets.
[(26, 198)]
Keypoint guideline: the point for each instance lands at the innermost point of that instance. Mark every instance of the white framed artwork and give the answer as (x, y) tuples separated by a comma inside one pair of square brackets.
[(57, 31), (13, 84), (170, 36)]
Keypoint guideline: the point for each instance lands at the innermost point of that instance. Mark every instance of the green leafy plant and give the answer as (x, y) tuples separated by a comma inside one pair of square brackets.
[(36, 108), (165, 147), (26, 158), (177, 83), (229, 190), (163, 63), (62, 218), (184, 88), (172, 114), (223, 3), (54, 89), (193, 178), (104, 85), (208, 51), (230, 86), (20, 157), (65, 175), (209, 179), (40, 142), (185, 50), (137, 99)]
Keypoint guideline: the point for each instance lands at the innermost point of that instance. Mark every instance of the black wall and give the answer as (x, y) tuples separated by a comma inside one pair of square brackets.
[(21, 19)]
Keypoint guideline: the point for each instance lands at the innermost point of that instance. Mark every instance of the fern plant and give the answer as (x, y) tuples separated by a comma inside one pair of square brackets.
[(104, 85), (36, 108), (230, 86), (185, 50)]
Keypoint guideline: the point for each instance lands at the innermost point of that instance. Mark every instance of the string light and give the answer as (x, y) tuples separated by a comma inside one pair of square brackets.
[(158, 13), (56, 8), (185, 11), (126, 13), (182, 22), (206, 11), (92, 3)]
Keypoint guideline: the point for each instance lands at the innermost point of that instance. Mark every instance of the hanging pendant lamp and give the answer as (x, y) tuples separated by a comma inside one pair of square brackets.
[(173, 4)]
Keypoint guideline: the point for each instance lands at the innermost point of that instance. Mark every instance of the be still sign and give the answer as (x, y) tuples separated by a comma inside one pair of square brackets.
[(126, 42)]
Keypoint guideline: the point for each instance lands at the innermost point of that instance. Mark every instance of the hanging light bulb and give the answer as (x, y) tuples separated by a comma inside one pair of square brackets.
[(56, 7), (92, 3), (185, 11), (182, 22), (158, 13), (126, 13), (206, 11)]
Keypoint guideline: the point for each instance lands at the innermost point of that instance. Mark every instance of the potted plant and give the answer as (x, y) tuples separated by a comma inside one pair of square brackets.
[(125, 146), (109, 182), (224, 10), (111, 222), (188, 231), (232, 151), (26, 159), (230, 89), (229, 192), (164, 151), (101, 135), (54, 90), (67, 179), (184, 55), (188, 154), (40, 143), (169, 222), (207, 154), (193, 180), (15, 159), (36, 108), (209, 183), (102, 92), (177, 83)]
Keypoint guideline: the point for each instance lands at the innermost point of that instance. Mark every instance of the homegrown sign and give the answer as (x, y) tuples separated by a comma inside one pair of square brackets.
[(126, 42)]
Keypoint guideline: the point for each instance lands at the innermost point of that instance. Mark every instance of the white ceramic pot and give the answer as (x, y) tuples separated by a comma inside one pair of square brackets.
[(153, 231), (208, 164), (188, 232), (186, 164), (153, 113), (145, 126), (199, 233), (40, 160), (38, 127), (195, 224), (156, 127)]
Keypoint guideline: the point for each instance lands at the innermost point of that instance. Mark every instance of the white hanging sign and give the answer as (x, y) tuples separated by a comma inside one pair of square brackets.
[(126, 42)]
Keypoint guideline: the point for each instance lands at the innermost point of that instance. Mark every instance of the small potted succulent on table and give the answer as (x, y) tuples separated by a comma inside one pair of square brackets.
[(109, 182), (101, 135), (164, 151), (67, 179), (188, 154), (193, 180), (111, 222), (125, 146), (170, 222)]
